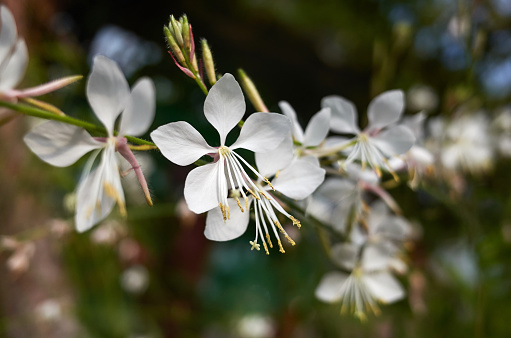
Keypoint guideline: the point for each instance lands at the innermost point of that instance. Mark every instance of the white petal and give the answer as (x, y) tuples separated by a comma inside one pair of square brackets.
[(299, 179), (224, 106), (8, 32), (384, 287), (373, 258), (13, 71), (336, 189), (139, 113), (394, 141), (201, 188), (385, 109), (317, 129), (344, 114), (60, 144), (93, 204), (330, 287), (181, 143), (345, 255), (263, 132), (234, 227), (270, 162), (297, 130), (107, 91)]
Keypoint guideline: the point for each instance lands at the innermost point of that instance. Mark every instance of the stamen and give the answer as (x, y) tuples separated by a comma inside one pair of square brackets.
[(262, 193), (277, 175), (222, 208), (266, 248), (289, 240), (246, 202), (113, 193), (239, 204), (295, 222), (280, 246), (279, 227), (268, 182), (269, 241), (255, 196)]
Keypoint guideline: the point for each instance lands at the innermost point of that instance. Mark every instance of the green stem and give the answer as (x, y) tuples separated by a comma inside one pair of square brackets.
[(36, 112)]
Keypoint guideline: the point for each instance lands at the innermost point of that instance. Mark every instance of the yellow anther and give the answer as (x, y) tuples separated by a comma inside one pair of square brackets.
[(222, 208), (255, 196), (396, 178), (268, 182), (269, 240), (289, 239), (228, 213), (280, 246), (255, 246), (266, 248), (277, 224), (113, 193), (277, 174), (378, 171), (239, 204), (295, 222), (246, 203), (262, 193)]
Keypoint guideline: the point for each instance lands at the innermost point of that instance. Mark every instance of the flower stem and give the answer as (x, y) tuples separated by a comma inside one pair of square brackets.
[(36, 112)]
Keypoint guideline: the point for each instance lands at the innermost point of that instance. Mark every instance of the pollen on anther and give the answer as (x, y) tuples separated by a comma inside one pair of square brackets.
[(277, 224), (222, 208), (239, 204), (290, 240), (268, 182), (296, 222), (280, 246), (269, 240), (266, 248)]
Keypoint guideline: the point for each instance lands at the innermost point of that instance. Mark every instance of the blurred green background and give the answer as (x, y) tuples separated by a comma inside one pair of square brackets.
[(154, 274)]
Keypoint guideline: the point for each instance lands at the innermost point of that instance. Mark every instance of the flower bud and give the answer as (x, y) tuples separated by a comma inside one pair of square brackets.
[(252, 93), (186, 32), (173, 45), (175, 27), (208, 62)]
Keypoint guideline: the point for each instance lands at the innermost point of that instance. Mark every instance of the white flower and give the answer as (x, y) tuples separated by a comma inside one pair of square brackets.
[(342, 199), (369, 281), (62, 144), (382, 138), (207, 186), (418, 160), (468, 145), (14, 60), (296, 179), (316, 130)]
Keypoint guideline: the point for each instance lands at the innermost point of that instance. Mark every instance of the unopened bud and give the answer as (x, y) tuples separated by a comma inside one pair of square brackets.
[(176, 29), (209, 64), (252, 93), (173, 46), (186, 32)]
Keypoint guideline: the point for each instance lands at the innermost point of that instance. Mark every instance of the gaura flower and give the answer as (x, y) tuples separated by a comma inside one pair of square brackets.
[(381, 139), (61, 144), (207, 186), (368, 282), (316, 130), (14, 60), (295, 178)]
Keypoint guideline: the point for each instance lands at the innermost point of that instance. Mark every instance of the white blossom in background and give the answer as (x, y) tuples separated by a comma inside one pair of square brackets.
[(61, 144), (421, 97), (14, 61), (135, 279), (207, 187), (501, 124), (383, 230), (295, 178), (365, 281), (418, 160), (381, 139), (341, 199), (313, 136), (467, 144)]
